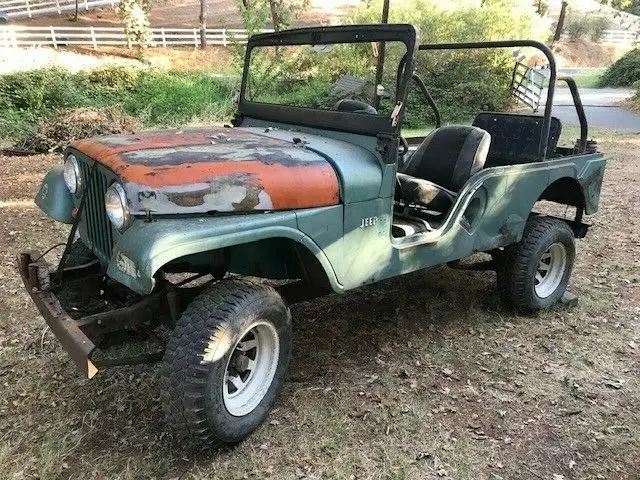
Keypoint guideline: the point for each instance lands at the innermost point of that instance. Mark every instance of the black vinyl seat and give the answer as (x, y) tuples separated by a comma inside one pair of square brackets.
[(444, 161), (515, 138)]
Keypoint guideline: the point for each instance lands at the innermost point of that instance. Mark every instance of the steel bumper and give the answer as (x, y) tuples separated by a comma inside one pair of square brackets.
[(36, 278)]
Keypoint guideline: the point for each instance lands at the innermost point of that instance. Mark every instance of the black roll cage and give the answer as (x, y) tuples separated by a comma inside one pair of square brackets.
[(546, 122), (376, 125)]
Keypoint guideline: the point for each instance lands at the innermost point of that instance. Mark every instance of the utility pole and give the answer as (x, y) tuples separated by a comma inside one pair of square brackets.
[(380, 66), (203, 24), (561, 18)]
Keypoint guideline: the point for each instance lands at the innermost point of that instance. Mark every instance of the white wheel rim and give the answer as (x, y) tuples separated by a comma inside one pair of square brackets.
[(550, 271), (250, 368)]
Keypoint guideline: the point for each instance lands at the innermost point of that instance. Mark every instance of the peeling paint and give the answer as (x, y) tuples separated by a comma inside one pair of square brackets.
[(211, 170)]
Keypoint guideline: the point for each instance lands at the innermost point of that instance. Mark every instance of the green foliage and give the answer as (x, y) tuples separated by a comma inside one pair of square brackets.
[(156, 97), (625, 72), (174, 98), (135, 15), (463, 82), (631, 6), (591, 26), (635, 100)]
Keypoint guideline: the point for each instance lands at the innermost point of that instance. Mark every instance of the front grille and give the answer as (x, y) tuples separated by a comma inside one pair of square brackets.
[(95, 227)]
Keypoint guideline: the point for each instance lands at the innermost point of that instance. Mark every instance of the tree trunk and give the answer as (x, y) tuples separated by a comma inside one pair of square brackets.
[(560, 26), (75, 18), (275, 15), (203, 24)]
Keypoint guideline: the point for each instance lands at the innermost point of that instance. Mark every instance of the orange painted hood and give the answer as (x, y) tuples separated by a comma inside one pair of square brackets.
[(215, 169)]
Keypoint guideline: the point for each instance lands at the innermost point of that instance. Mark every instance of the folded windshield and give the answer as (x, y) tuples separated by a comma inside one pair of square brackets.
[(326, 77)]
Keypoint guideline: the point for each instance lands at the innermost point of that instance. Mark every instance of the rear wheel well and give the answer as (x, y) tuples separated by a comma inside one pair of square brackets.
[(566, 191)]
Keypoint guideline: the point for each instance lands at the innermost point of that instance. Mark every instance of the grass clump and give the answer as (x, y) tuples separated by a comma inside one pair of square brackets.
[(625, 72), (156, 98)]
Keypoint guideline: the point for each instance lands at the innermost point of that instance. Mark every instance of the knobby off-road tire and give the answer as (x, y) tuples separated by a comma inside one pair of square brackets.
[(236, 332), (533, 273)]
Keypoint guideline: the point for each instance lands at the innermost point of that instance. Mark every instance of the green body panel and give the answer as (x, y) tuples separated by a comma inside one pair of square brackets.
[(148, 246), (54, 198), (491, 212)]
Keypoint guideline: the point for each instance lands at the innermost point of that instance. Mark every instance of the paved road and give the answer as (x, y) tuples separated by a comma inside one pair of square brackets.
[(602, 107)]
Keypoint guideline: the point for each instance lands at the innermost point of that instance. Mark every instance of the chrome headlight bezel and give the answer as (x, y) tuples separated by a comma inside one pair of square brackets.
[(115, 204), (72, 175)]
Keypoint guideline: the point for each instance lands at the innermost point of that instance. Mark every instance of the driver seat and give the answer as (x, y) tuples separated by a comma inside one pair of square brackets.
[(438, 169)]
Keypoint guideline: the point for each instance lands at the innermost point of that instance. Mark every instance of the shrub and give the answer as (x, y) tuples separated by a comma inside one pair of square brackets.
[(592, 26), (171, 98), (625, 72), (155, 97), (461, 82)]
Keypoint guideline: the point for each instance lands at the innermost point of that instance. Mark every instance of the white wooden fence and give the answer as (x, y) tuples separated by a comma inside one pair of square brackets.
[(62, 36), (16, 9), (618, 36), (13, 36), (621, 36)]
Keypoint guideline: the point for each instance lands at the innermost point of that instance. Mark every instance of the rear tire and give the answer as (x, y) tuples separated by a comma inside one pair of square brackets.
[(225, 362), (533, 274)]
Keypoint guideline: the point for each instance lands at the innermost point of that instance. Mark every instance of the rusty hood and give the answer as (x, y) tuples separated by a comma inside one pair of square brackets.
[(214, 169)]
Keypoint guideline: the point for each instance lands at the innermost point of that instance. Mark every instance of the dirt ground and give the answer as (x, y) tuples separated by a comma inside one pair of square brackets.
[(421, 377), (184, 14)]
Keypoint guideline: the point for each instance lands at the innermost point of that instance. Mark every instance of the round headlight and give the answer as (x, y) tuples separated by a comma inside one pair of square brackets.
[(115, 201), (72, 176)]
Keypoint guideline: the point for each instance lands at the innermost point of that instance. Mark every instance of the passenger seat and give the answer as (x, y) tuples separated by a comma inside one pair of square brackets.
[(444, 161)]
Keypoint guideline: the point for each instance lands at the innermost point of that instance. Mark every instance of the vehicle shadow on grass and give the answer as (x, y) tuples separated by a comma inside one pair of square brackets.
[(332, 335)]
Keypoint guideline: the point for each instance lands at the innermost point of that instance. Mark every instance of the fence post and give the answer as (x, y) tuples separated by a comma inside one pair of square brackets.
[(86, 5), (224, 37), (28, 8), (53, 38), (93, 39), (164, 37), (195, 37)]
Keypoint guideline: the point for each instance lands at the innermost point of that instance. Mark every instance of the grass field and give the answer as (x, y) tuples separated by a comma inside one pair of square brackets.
[(421, 377)]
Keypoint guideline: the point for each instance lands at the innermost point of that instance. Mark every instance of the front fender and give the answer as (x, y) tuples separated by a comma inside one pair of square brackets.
[(147, 246), (54, 197)]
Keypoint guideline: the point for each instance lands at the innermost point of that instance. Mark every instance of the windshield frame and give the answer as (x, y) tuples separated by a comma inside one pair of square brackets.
[(352, 122)]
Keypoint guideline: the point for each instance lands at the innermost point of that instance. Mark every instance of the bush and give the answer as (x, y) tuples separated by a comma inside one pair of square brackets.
[(162, 98), (462, 82), (625, 72), (155, 97), (592, 26)]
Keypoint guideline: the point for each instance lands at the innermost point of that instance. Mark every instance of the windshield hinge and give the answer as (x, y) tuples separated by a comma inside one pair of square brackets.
[(395, 115)]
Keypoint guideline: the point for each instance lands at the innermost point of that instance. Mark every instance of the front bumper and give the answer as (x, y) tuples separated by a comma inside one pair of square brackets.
[(36, 278), (82, 337)]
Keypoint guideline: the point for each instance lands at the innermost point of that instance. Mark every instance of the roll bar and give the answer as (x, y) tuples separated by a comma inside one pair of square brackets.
[(577, 101), (546, 122)]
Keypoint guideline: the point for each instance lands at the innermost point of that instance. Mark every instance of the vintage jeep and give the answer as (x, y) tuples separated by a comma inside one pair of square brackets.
[(211, 233)]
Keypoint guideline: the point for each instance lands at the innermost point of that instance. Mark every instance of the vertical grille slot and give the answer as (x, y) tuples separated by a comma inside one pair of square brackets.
[(96, 223)]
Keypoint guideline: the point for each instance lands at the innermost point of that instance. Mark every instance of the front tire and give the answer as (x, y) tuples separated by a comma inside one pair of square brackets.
[(533, 274), (225, 361)]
